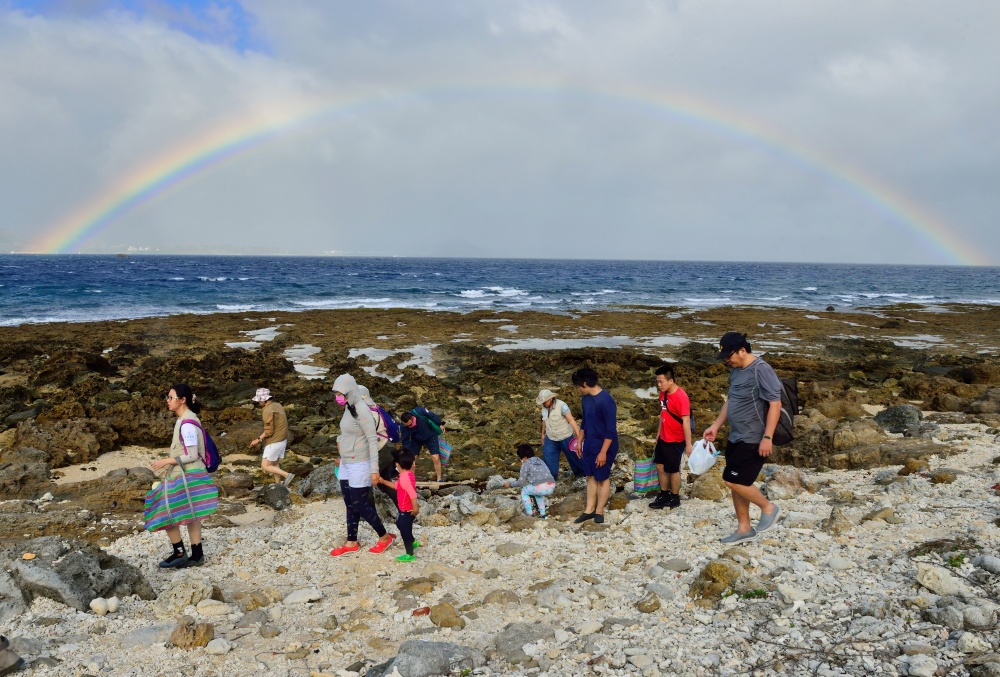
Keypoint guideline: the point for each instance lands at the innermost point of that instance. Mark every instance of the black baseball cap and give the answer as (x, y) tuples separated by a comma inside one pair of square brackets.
[(731, 342)]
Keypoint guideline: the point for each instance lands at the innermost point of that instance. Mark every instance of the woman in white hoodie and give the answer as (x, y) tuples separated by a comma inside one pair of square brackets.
[(358, 445)]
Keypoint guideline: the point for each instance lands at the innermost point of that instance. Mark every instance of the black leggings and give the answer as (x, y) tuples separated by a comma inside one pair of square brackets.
[(404, 522), (358, 507)]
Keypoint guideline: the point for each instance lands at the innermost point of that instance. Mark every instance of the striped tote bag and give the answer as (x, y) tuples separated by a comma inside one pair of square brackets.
[(190, 496), (646, 479)]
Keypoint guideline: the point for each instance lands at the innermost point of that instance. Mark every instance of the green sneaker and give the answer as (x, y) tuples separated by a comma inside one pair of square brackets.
[(416, 544), (406, 558)]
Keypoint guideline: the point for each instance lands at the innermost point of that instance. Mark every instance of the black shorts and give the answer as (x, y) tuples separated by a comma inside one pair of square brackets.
[(668, 454), (743, 463)]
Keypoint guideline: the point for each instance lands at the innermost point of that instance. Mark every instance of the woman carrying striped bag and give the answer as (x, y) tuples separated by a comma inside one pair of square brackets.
[(187, 493)]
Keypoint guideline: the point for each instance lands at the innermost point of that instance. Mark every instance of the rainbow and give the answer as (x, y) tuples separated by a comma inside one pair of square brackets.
[(207, 151)]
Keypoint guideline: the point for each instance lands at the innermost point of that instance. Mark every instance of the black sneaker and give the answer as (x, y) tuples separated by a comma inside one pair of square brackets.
[(660, 501), (174, 561), (192, 562), (673, 502), (598, 519), (584, 516)]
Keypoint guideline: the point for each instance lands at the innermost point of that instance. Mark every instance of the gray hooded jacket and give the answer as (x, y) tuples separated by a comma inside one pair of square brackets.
[(357, 442)]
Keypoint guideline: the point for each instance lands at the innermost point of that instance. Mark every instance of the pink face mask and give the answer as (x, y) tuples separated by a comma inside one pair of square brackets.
[(341, 400)]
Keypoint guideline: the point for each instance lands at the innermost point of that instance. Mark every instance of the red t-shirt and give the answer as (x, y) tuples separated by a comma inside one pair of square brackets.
[(406, 491), (679, 404)]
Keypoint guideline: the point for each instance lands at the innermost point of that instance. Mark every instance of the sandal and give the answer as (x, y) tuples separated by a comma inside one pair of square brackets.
[(382, 545), (344, 549)]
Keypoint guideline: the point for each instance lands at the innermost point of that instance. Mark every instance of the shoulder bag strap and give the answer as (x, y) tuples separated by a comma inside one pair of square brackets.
[(204, 439)]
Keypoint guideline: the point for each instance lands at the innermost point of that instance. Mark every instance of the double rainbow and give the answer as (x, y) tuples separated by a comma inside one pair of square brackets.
[(202, 153)]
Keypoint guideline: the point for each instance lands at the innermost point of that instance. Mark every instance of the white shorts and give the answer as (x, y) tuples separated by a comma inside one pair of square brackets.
[(276, 451), (358, 475)]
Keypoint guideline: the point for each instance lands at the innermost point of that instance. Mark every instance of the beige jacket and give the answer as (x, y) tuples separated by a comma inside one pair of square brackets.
[(275, 423), (190, 456)]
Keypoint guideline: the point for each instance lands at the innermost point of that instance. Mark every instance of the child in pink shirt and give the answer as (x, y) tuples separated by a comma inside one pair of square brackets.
[(406, 501)]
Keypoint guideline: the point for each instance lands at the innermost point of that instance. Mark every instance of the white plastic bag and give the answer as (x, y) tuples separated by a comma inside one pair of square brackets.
[(702, 458)]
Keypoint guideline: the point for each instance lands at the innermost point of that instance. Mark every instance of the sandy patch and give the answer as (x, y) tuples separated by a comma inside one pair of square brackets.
[(127, 457)]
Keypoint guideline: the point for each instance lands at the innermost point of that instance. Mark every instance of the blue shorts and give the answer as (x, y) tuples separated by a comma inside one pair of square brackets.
[(432, 447), (590, 469)]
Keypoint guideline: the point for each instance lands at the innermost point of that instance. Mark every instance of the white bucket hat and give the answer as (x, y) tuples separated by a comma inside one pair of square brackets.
[(544, 396), (263, 395)]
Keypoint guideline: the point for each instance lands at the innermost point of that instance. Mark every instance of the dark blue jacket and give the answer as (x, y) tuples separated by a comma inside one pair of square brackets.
[(419, 434)]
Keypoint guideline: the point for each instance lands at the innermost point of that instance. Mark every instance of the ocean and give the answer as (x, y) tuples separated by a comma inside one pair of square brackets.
[(80, 288)]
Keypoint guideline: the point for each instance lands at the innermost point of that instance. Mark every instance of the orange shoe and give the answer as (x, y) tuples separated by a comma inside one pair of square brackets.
[(382, 545), (344, 549)]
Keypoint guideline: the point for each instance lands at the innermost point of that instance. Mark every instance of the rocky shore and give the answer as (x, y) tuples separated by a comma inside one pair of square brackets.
[(886, 562)]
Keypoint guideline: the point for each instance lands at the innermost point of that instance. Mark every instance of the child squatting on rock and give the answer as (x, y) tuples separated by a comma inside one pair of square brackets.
[(535, 478), (406, 500)]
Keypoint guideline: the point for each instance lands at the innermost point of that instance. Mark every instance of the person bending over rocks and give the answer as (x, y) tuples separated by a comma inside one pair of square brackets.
[(752, 409), (358, 446), (598, 442), (275, 435), (674, 438), (558, 428), (405, 489), (535, 479), (418, 431), (186, 495)]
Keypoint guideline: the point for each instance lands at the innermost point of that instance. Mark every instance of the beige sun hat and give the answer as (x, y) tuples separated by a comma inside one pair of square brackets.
[(544, 396), (263, 395)]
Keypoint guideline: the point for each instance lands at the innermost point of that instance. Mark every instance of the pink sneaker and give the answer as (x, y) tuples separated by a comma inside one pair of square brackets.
[(380, 547), (344, 549)]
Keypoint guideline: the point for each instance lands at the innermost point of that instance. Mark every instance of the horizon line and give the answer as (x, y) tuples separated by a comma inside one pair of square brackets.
[(493, 258)]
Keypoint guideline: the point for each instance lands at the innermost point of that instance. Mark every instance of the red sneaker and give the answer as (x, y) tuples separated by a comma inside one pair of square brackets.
[(382, 545), (344, 549)]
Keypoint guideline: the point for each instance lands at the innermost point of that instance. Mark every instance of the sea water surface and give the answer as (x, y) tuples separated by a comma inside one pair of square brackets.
[(80, 288)]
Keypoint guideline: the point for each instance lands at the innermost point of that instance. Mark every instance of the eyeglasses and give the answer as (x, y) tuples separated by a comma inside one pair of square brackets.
[(168, 398)]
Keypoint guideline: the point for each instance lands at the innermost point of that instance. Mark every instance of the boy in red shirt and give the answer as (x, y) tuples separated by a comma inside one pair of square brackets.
[(406, 500), (674, 438)]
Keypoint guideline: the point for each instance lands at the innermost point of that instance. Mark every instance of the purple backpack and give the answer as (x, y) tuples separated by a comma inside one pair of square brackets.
[(212, 458)]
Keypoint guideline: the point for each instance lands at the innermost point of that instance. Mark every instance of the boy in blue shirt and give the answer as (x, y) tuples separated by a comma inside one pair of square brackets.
[(598, 442)]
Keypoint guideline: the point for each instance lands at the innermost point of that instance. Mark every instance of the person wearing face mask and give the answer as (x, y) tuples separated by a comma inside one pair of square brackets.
[(358, 471)]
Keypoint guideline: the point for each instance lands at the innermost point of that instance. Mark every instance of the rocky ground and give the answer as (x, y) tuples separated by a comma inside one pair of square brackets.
[(886, 562)]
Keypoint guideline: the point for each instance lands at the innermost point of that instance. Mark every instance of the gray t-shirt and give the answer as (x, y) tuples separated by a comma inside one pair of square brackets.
[(750, 390), (533, 471)]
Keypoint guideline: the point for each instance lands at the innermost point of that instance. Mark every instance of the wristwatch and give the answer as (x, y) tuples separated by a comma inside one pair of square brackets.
[(767, 437)]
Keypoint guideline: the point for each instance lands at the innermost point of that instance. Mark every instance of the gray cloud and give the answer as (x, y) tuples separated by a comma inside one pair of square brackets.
[(683, 130)]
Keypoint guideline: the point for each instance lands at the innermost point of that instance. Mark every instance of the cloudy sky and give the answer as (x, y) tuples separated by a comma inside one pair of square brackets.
[(779, 130)]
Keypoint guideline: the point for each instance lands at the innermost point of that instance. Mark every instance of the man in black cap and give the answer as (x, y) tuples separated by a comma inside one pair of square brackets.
[(752, 409)]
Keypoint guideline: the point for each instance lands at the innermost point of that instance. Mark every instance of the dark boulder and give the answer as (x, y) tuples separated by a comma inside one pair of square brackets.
[(236, 484), (899, 419), (24, 480), (274, 496), (71, 572), (321, 482)]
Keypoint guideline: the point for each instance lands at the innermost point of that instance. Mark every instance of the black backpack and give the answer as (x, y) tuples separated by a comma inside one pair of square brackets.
[(784, 432), (679, 419)]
